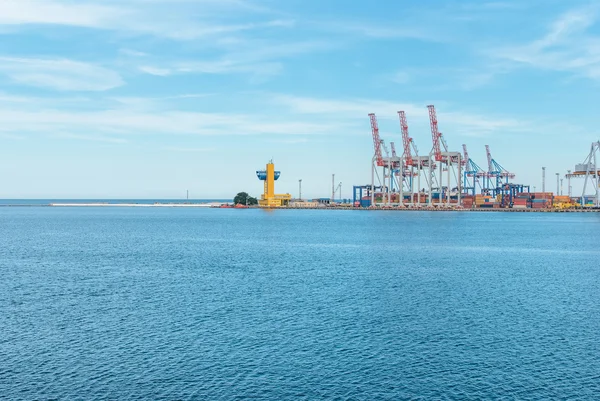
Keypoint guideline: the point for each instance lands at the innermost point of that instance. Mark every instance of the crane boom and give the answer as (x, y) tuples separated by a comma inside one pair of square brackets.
[(406, 139), (385, 149), (466, 155), (435, 135), (376, 139), (393, 146), (489, 159)]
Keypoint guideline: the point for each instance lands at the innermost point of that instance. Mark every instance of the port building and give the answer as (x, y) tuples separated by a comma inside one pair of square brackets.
[(269, 198)]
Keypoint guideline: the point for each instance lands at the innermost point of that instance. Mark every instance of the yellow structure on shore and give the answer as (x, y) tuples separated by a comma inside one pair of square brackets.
[(269, 198)]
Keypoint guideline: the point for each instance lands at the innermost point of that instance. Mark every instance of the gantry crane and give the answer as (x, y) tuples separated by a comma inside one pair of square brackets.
[(495, 170), (590, 170), (414, 164), (451, 161), (473, 174), (387, 163), (377, 157)]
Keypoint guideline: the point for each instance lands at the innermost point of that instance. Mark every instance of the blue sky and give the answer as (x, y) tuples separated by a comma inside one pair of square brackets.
[(150, 98)]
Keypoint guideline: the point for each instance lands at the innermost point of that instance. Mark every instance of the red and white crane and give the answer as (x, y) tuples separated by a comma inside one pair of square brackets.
[(376, 140), (406, 139), (435, 134)]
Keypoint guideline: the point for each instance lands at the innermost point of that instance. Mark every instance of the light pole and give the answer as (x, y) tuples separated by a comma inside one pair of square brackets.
[(300, 189), (332, 188), (543, 179), (561, 187), (557, 181)]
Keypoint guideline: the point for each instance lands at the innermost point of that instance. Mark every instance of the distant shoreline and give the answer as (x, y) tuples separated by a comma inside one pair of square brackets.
[(135, 204), (229, 205)]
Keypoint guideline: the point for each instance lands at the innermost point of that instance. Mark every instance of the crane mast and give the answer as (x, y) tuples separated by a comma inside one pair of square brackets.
[(406, 139), (435, 134), (489, 159), (376, 139)]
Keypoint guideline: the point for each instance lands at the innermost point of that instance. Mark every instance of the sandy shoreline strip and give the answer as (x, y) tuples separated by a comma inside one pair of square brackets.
[(135, 204)]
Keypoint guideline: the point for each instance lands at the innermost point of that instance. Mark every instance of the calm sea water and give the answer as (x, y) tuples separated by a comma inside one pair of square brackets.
[(105, 303), (46, 202)]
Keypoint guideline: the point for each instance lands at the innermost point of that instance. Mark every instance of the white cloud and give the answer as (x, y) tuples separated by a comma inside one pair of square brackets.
[(133, 53), (294, 141), (565, 47), (229, 66), (353, 108), (261, 59), (60, 74), (132, 121), (406, 30), (190, 150), (468, 124), (291, 118), (187, 20), (162, 72), (15, 12), (88, 137), (10, 136), (401, 77)]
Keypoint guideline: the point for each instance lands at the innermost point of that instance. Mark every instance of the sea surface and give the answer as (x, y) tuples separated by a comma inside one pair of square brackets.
[(47, 202), (224, 304)]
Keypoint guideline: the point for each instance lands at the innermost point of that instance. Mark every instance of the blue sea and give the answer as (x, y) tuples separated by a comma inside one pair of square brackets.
[(223, 304), (47, 202)]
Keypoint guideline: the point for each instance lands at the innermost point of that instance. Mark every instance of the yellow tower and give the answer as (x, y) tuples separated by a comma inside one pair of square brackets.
[(269, 198)]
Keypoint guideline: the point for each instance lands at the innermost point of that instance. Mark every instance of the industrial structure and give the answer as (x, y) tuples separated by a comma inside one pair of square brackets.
[(497, 175), (448, 179), (269, 198), (474, 176), (590, 171), (434, 179), (442, 179)]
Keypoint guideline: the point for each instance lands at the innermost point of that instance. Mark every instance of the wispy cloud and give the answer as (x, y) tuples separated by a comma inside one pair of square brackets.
[(93, 138), (150, 117), (60, 74), (400, 77), (293, 141), (17, 12), (378, 31), (189, 150), (161, 72), (11, 136), (463, 123), (133, 53), (187, 20), (352, 108), (567, 46), (258, 58), (223, 66)]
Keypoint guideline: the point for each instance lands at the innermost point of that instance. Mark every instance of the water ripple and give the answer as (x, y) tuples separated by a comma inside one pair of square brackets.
[(223, 304)]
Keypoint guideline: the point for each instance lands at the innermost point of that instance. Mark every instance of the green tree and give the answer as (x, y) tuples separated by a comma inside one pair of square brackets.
[(243, 197)]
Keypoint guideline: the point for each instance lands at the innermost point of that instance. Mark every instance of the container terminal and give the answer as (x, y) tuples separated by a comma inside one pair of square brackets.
[(441, 179), (445, 179)]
